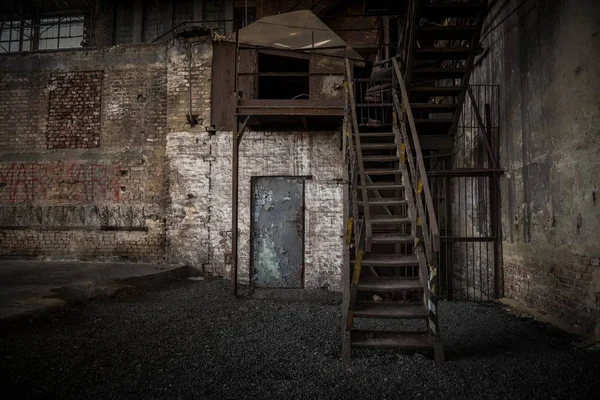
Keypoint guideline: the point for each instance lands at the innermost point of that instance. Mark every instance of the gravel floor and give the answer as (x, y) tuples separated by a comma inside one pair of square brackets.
[(193, 340)]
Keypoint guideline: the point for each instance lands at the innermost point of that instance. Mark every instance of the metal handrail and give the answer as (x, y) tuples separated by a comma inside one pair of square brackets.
[(421, 171), (363, 180)]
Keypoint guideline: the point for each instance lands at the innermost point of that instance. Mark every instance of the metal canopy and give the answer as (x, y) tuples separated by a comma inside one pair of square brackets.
[(297, 30)]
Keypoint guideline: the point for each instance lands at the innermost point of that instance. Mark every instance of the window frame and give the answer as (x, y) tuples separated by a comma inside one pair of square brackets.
[(33, 28), (20, 24)]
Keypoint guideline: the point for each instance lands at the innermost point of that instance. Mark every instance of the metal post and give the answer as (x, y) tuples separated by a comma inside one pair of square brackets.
[(234, 207), (234, 179)]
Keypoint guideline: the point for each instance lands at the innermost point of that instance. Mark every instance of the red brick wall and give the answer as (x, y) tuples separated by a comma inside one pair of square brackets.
[(82, 166), (74, 110)]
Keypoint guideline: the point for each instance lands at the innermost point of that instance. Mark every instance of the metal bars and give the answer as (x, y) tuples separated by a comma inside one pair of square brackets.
[(465, 188)]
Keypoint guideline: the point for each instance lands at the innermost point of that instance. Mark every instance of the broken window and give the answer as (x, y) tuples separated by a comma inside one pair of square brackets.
[(282, 77), (15, 35), (62, 32)]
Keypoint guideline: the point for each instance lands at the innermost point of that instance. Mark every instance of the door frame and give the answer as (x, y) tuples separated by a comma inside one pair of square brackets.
[(253, 180)]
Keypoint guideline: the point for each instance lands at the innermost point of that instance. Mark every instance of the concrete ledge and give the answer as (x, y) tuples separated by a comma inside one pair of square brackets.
[(31, 288)]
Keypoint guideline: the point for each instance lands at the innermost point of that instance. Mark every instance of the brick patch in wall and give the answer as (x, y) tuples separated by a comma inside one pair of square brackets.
[(74, 116)]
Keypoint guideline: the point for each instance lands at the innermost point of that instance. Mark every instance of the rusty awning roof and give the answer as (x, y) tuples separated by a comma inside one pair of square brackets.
[(297, 30)]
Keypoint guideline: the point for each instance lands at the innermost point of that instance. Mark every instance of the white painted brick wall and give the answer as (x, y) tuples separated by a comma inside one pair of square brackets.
[(200, 231)]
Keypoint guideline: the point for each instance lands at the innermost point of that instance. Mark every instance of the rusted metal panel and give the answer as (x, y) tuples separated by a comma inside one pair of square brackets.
[(223, 86), (278, 232), (247, 64)]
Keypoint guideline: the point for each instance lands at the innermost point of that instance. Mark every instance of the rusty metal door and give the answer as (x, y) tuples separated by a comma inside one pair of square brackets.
[(278, 232)]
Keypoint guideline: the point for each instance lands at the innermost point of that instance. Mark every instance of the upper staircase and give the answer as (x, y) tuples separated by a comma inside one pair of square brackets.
[(411, 104)]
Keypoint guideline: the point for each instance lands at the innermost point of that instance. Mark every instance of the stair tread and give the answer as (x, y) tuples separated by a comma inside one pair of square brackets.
[(380, 158), (391, 238), (382, 171), (392, 260), (388, 284), (390, 310), (378, 146), (385, 219), (386, 202), (376, 134), (391, 339)]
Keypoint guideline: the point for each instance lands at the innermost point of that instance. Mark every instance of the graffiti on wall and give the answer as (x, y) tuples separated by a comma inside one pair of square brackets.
[(74, 182), (74, 216)]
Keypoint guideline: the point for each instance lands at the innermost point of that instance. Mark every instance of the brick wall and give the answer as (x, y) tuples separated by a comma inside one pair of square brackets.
[(200, 227), (82, 171), (74, 110), (156, 184)]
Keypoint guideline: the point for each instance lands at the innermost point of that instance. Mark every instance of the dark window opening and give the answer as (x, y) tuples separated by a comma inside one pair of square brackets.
[(289, 79)]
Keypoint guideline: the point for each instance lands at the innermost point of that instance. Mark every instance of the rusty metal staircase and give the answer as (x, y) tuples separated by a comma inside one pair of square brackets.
[(393, 236)]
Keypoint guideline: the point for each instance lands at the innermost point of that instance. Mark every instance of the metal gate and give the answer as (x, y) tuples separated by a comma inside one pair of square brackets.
[(465, 188), (277, 232)]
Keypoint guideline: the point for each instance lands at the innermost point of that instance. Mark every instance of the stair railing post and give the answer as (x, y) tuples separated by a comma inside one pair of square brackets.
[(358, 150)]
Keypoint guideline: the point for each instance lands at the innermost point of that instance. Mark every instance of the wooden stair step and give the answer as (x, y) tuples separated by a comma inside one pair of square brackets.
[(450, 10), (380, 158), (385, 219), (379, 146), (433, 32), (436, 90), (385, 202), (389, 260), (417, 340), (390, 310), (388, 284), (391, 238), (382, 185), (438, 73), (442, 53), (383, 171), (376, 134)]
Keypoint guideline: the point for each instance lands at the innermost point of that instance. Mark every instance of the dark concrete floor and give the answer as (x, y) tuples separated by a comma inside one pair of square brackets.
[(193, 340)]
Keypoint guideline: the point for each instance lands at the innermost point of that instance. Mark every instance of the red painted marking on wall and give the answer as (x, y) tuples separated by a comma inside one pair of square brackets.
[(77, 181)]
